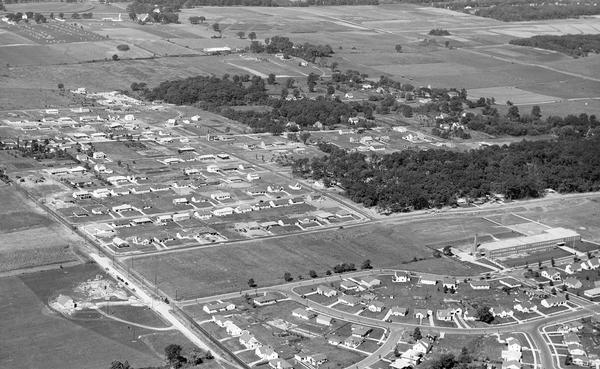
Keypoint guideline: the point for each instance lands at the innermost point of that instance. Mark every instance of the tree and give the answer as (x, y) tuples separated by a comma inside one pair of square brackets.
[(132, 16), (271, 79), (312, 274), (216, 27), (398, 48), (61, 15), (252, 36), (568, 359), (484, 314), (75, 16), (417, 335), (194, 19), (202, 18), (241, 34), (536, 112), (119, 365), (115, 57), (552, 262), (51, 16), (304, 136), (334, 66), (289, 83), (447, 250), (173, 353), (287, 276), (513, 112), (330, 90), (366, 264), (464, 356), (61, 86), (251, 283)]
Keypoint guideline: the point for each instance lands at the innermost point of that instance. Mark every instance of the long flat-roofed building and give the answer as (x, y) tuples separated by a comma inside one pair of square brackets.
[(545, 241)]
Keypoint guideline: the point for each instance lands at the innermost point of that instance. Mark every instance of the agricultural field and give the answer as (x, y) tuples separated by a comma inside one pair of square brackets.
[(92, 342), (227, 268), (30, 238)]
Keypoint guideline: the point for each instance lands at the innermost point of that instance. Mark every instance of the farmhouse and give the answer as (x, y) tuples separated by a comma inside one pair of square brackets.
[(550, 239)]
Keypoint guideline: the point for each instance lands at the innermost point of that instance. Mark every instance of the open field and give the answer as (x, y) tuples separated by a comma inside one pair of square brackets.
[(91, 343), (513, 94), (29, 237), (227, 268)]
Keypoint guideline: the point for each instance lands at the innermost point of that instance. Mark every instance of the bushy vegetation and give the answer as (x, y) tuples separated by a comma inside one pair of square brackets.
[(574, 45), (283, 45), (123, 47), (176, 5), (439, 32), (412, 180)]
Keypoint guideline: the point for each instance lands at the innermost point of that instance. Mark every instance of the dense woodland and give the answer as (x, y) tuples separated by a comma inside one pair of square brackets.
[(409, 180), (574, 45), (176, 5), (283, 45)]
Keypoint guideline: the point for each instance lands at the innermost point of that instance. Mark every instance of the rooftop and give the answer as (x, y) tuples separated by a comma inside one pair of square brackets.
[(548, 235)]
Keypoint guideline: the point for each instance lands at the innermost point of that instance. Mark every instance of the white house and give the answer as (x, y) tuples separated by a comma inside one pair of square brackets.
[(552, 274), (326, 291), (266, 352), (480, 285), (400, 277), (422, 346), (513, 344), (323, 320), (303, 313), (218, 307), (233, 330), (370, 282), (376, 306), (428, 280)]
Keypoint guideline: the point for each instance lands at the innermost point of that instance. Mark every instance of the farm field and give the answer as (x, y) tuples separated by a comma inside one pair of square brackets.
[(91, 342), (29, 237), (221, 269)]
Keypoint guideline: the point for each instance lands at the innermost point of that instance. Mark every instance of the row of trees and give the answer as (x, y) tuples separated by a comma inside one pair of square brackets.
[(413, 180), (526, 12), (574, 45), (283, 45)]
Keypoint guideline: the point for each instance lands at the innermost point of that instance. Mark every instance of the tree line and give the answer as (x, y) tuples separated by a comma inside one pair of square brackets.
[(283, 45), (573, 45), (413, 180)]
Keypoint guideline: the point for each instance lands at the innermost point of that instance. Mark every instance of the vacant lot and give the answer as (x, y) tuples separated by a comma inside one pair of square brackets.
[(89, 343), (227, 268), (29, 237)]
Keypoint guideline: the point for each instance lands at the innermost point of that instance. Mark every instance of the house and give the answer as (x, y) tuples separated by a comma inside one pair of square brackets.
[(326, 291), (554, 301), (303, 314), (402, 363), (594, 263), (592, 292), (221, 321), (400, 277), (428, 280), (316, 359), (449, 282), (82, 195), (228, 210), (267, 299), (421, 313), (279, 364), (552, 274), (422, 346), (582, 360), (335, 340), (398, 311), (572, 268), (480, 285), (248, 341), (353, 342), (572, 282), (324, 320), (501, 311), (218, 307), (266, 352), (576, 349), (525, 307), (511, 365), (360, 330), (513, 344), (445, 315), (510, 355), (349, 286), (348, 300), (510, 282), (233, 330), (570, 338), (220, 195), (468, 315), (376, 306), (370, 282)]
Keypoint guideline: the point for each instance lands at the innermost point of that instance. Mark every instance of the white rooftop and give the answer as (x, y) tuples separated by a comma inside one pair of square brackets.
[(548, 235)]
